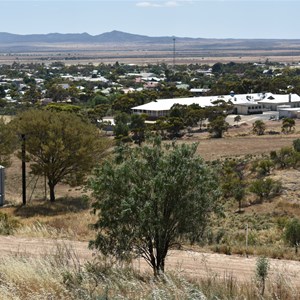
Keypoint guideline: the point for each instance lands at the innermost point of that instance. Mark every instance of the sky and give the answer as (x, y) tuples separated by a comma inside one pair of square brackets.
[(271, 19)]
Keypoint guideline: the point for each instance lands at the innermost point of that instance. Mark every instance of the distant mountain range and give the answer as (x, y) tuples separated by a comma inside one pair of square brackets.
[(107, 37), (111, 37), (35, 42)]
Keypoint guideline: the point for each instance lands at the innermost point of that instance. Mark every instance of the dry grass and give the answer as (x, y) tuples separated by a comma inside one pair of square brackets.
[(239, 142), (67, 218), (61, 276)]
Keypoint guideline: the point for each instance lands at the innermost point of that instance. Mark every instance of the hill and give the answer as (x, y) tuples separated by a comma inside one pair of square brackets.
[(33, 42)]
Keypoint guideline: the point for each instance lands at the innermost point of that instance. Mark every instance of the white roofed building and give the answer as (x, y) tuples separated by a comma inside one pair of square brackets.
[(272, 101), (162, 107), (244, 104)]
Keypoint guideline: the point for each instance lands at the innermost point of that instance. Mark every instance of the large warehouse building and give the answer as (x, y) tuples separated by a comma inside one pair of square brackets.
[(244, 104)]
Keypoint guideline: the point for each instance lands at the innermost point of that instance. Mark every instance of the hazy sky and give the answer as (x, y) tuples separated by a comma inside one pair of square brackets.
[(208, 19)]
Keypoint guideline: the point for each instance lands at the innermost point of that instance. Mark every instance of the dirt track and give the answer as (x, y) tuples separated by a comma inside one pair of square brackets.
[(189, 263)]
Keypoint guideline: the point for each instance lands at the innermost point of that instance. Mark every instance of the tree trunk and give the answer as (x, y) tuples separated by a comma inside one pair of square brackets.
[(155, 271), (52, 192), (160, 261), (162, 267), (263, 287), (158, 268)]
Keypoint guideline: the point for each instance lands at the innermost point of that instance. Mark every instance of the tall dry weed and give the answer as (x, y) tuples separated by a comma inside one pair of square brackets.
[(61, 275)]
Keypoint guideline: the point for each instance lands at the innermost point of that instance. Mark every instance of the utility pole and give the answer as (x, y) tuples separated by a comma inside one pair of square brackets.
[(23, 154), (174, 52), (247, 240)]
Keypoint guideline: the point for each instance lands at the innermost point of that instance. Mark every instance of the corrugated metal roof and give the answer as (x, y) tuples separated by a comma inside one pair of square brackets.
[(203, 101)]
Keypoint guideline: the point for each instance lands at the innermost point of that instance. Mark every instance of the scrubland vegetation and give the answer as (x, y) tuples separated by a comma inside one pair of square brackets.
[(61, 275), (147, 199)]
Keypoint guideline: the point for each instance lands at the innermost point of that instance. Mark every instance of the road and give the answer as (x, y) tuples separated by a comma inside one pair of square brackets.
[(265, 116), (190, 263)]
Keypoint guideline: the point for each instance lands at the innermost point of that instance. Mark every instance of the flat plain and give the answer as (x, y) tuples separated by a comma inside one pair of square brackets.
[(149, 53)]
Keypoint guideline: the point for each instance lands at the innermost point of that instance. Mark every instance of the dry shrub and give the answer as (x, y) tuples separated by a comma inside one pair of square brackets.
[(60, 275), (41, 230), (289, 208), (28, 278), (76, 224), (8, 224), (68, 218)]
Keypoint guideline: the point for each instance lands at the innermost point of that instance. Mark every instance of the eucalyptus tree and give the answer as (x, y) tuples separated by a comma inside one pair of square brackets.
[(259, 127), (150, 198), (59, 145)]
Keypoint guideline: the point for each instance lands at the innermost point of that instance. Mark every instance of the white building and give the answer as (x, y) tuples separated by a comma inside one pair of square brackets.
[(244, 104), (272, 101), (288, 112)]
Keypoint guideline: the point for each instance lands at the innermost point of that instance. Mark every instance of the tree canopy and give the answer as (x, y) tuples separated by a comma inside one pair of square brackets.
[(259, 127), (60, 145), (288, 125), (218, 126), (7, 143), (149, 197), (292, 233)]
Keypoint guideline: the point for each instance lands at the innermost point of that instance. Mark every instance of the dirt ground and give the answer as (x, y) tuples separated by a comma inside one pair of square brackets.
[(95, 54), (211, 149), (190, 263), (240, 141)]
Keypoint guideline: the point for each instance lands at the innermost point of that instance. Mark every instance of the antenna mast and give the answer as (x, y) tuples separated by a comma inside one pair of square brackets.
[(174, 40)]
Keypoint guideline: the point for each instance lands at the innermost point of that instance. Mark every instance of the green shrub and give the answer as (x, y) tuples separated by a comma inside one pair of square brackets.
[(281, 222), (220, 234), (223, 249), (286, 157), (265, 166), (7, 224), (292, 233), (265, 188), (296, 145), (262, 269)]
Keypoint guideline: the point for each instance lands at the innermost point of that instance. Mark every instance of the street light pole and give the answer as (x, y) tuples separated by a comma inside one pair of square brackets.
[(23, 154)]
